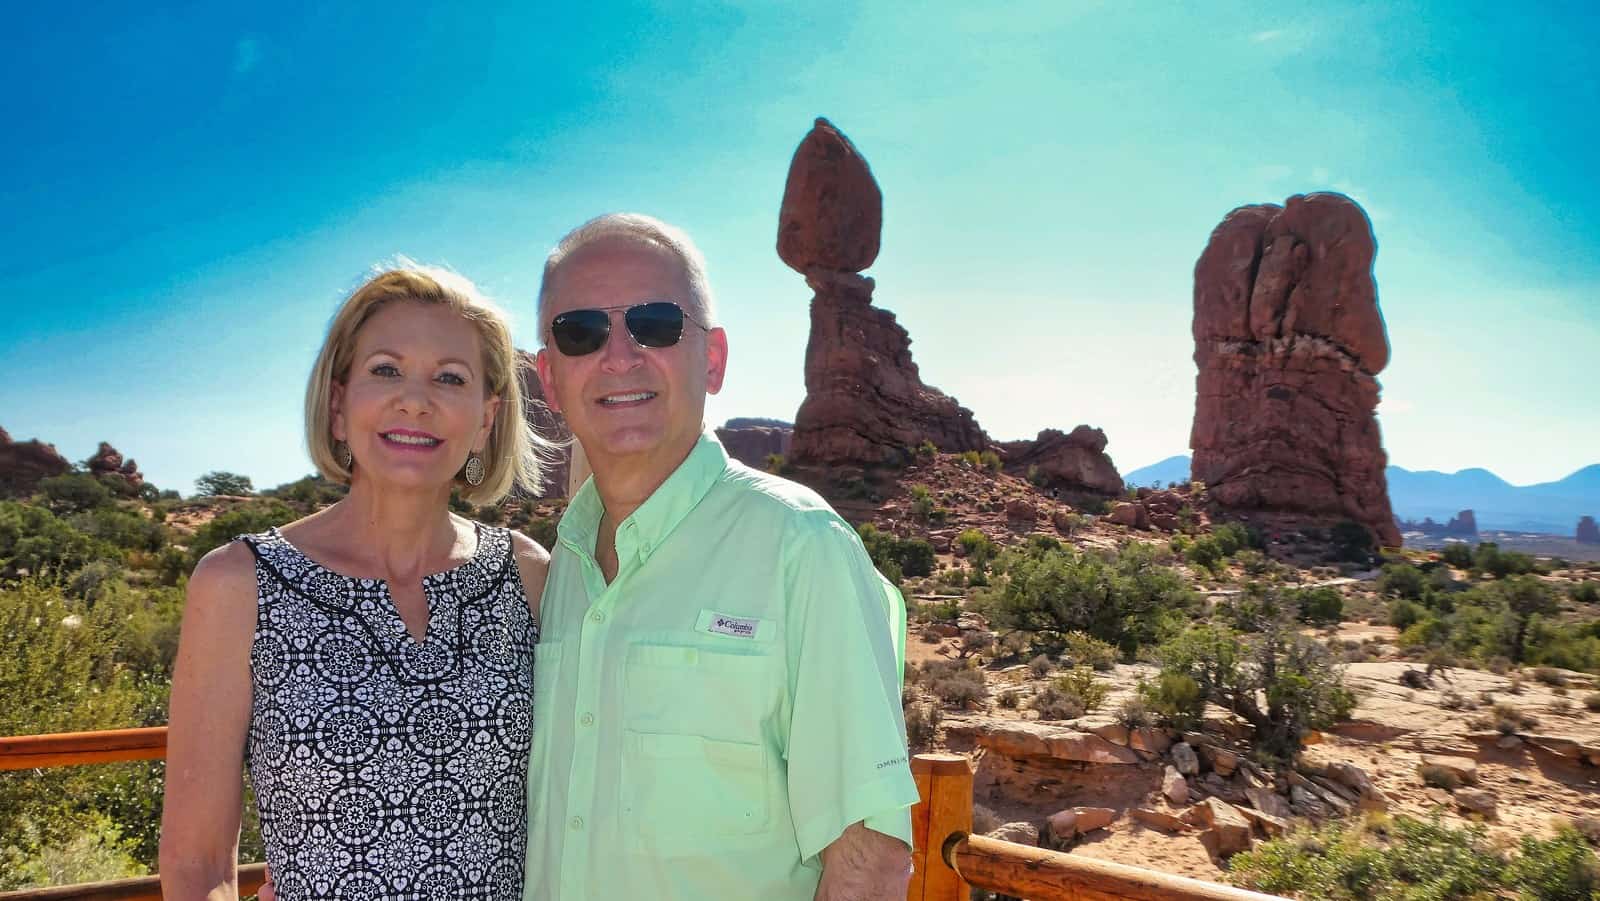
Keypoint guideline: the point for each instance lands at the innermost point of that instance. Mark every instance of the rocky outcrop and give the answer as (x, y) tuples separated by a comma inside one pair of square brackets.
[(549, 425), (23, 464), (1289, 342), (1588, 532), (865, 401), (1075, 461), (751, 445), (108, 465), (1462, 525)]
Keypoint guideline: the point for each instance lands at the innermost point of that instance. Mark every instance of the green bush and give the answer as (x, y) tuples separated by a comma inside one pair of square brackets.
[(312, 490), (990, 460), (1086, 650), (1318, 606), (1457, 554), (972, 458), (245, 519), (959, 683), (75, 491), (1352, 543), (34, 541), (126, 530), (1079, 682), (1175, 699), (1124, 599), (1282, 683), (1585, 592), (1206, 552), (218, 482), (927, 450), (1402, 580), (1409, 858), (921, 503)]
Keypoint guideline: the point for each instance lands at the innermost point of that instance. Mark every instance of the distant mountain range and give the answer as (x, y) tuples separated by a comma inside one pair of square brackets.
[(1549, 507)]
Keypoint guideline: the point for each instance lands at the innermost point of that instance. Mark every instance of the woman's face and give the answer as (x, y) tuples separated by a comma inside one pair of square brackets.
[(415, 402)]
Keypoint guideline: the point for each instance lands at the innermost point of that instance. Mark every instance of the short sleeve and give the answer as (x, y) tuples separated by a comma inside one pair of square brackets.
[(846, 741)]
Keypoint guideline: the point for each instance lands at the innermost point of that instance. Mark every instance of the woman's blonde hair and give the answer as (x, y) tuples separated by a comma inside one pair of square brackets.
[(512, 454)]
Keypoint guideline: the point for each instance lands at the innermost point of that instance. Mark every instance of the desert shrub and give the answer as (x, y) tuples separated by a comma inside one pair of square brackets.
[(972, 458), (1009, 699), (1508, 720), (1282, 683), (1318, 605), (1457, 554), (312, 490), (1549, 676), (1490, 560), (98, 852), (927, 450), (1053, 704), (989, 460), (245, 519), (1407, 858), (1125, 600), (1352, 543), (1253, 562), (1439, 777), (1174, 699), (1404, 614), (1234, 537), (73, 492), (944, 611), (979, 549), (1206, 552), (921, 503), (1585, 592), (1080, 682), (1086, 650), (922, 724), (1134, 713), (1454, 700), (122, 528), (1558, 868), (219, 482), (1402, 580), (490, 514), (1041, 666), (1561, 707), (909, 556), (930, 635), (953, 682), (33, 540)]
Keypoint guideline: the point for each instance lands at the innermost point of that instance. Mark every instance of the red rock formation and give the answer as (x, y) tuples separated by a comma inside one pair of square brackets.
[(549, 424), (752, 445), (1289, 342), (1056, 460), (108, 462), (1588, 532), (865, 401), (24, 463)]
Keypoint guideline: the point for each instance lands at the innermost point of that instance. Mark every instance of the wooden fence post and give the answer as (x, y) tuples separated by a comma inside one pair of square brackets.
[(944, 782)]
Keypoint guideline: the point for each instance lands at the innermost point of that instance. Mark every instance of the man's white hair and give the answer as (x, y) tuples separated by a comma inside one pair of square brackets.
[(642, 229)]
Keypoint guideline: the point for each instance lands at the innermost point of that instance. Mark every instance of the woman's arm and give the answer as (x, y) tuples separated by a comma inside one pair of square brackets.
[(207, 724), (533, 563)]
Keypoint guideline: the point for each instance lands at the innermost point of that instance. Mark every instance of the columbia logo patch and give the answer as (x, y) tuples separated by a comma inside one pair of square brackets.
[(733, 625)]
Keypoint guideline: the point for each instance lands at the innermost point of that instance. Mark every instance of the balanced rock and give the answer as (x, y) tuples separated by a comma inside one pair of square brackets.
[(1028, 739), (1475, 800), (1464, 768), (1588, 532), (1184, 758), (1289, 342), (23, 464), (832, 212), (1174, 786), (865, 401), (1073, 461)]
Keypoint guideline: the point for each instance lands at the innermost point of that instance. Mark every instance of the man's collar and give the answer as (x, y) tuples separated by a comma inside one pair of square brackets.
[(659, 514)]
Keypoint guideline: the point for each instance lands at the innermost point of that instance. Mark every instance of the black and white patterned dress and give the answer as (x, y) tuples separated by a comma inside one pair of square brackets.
[(386, 767)]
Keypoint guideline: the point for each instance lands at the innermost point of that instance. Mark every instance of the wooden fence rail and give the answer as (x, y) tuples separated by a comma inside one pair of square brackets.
[(948, 859)]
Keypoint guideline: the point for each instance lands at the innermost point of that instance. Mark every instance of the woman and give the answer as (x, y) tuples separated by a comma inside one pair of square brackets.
[(372, 662)]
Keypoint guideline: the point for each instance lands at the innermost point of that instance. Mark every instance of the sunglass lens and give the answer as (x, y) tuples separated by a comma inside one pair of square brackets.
[(580, 332), (658, 323)]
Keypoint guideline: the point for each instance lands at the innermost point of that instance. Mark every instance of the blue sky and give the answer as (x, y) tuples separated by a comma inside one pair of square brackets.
[(190, 191)]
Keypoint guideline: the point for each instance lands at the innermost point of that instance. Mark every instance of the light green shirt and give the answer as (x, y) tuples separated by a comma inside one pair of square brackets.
[(711, 720)]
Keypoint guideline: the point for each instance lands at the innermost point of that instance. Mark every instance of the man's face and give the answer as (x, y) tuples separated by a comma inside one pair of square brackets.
[(624, 400)]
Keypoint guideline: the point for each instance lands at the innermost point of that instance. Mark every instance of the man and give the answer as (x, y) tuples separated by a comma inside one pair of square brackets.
[(717, 687)]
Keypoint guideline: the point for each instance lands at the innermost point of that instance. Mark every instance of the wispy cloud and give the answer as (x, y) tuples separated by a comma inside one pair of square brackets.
[(1261, 37), (246, 55)]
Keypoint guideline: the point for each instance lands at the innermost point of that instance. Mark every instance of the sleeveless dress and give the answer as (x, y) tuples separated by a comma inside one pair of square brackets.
[(385, 767)]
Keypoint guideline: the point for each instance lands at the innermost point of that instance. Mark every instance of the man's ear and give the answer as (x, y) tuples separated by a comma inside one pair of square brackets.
[(716, 359), (541, 365), (336, 420)]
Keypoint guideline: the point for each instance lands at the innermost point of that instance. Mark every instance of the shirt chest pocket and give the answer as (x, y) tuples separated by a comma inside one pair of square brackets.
[(697, 760)]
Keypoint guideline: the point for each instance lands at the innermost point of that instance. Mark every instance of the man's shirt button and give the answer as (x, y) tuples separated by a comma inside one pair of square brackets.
[(587, 719), (576, 824), (597, 617)]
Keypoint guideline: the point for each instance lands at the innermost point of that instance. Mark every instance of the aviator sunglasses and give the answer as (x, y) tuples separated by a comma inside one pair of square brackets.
[(656, 323)]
